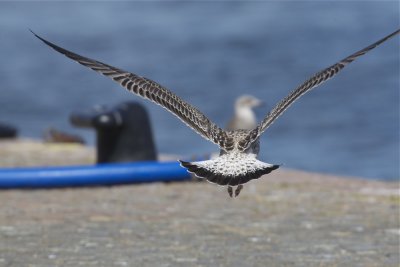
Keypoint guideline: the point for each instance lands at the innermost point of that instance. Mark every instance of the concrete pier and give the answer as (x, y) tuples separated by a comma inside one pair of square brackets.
[(287, 218)]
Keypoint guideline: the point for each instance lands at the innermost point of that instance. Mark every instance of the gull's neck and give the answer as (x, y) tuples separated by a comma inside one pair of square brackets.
[(246, 115)]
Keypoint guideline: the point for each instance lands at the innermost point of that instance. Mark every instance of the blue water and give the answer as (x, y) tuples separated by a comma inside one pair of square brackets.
[(210, 53)]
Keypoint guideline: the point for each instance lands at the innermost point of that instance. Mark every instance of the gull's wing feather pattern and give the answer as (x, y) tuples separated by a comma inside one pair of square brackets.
[(156, 93), (311, 83)]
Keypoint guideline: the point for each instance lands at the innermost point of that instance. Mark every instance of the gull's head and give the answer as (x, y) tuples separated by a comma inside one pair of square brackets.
[(248, 101)]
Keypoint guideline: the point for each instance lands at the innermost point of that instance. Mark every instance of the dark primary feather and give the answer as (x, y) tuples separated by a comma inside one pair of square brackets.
[(311, 83), (154, 92)]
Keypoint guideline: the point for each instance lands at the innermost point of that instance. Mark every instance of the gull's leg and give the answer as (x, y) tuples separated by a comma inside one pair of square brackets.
[(238, 189), (230, 190)]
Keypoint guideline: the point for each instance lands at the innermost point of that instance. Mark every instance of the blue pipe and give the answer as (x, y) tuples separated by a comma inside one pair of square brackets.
[(100, 174)]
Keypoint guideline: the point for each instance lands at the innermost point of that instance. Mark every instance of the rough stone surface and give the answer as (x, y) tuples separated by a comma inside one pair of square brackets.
[(287, 218), (27, 152), (33, 153)]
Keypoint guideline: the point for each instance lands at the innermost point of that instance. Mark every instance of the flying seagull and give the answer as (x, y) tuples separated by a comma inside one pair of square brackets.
[(237, 163), (244, 117)]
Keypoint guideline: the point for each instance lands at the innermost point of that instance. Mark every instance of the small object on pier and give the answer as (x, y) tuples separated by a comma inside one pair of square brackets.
[(123, 133), (56, 136), (7, 131)]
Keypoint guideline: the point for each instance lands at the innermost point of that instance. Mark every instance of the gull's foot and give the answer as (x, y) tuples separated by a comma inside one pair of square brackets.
[(230, 191), (238, 189)]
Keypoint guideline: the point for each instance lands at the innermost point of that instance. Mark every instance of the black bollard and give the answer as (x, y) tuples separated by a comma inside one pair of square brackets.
[(123, 133)]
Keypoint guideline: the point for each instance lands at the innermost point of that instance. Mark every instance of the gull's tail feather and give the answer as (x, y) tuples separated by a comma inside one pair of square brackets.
[(229, 173)]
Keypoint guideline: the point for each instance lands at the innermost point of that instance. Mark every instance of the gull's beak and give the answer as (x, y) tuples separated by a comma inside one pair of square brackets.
[(258, 103)]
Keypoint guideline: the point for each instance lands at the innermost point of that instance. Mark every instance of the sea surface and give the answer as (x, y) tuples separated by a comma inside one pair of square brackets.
[(210, 53)]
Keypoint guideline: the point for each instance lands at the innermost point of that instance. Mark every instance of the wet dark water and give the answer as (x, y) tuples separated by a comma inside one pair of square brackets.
[(209, 54)]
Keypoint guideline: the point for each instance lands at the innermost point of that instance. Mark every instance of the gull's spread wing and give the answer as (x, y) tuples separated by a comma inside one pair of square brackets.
[(311, 83), (156, 93)]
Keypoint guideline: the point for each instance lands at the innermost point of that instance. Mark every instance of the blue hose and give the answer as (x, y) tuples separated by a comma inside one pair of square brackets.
[(101, 174)]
